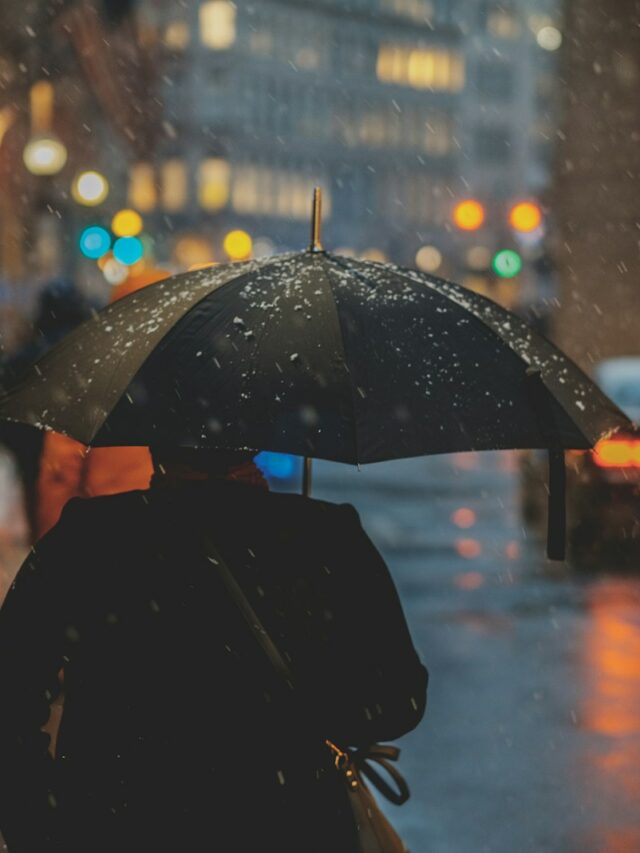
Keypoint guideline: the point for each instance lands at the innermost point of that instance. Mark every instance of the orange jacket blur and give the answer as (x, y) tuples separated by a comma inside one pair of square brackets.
[(68, 469)]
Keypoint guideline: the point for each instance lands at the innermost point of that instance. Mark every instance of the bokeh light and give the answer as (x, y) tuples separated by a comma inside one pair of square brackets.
[(469, 214), (463, 517), (525, 216), (95, 242), (238, 245), (127, 223), (128, 250), (44, 155), (90, 188), (428, 259), (507, 263), (549, 38), (468, 548)]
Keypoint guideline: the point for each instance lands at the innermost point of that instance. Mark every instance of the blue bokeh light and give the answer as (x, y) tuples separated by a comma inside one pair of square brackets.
[(279, 466), (95, 242), (128, 250)]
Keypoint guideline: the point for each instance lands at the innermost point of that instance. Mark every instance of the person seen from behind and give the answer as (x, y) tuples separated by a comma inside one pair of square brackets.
[(176, 732)]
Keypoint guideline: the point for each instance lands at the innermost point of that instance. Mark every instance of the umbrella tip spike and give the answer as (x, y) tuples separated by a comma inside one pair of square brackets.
[(316, 221)]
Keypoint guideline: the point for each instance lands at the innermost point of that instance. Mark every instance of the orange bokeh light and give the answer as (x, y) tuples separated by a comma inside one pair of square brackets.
[(469, 580), (468, 214), (463, 517), (525, 216), (468, 548), (617, 453)]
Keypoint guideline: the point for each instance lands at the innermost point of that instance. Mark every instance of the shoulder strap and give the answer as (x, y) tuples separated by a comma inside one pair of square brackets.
[(250, 616)]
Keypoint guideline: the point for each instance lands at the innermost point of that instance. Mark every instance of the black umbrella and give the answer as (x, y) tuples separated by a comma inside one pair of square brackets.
[(317, 355)]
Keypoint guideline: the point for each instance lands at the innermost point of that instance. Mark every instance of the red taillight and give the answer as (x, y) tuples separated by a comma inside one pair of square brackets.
[(617, 453)]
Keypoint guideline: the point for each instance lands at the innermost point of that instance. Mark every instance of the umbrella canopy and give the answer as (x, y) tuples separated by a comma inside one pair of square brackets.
[(317, 355)]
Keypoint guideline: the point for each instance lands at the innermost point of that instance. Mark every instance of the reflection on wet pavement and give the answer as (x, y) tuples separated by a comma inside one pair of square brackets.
[(611, 707)]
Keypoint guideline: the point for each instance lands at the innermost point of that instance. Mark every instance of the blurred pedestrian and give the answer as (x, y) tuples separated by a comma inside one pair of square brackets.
[(60, 308), (176, 732), (68, 469)]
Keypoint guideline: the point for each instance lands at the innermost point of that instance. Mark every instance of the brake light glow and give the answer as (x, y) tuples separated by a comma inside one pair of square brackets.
[(617, 453)]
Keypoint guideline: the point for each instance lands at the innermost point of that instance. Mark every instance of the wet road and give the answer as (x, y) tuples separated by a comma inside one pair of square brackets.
[(531, 741)]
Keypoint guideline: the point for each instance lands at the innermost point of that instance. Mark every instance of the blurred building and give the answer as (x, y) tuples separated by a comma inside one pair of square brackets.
[(215, 117), (595, 194), (266, 99)]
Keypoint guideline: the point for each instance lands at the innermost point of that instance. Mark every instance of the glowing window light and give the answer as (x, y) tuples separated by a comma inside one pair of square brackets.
[(213, 183), (142, 192), (238, 245), (420, 68), (176, 35), (218, 24), (506, 263), (90, 188), (373, 254), (525, 217), (192, 249), (95, 242), (469, 214), (174, 182), (126, 223), (128, 250)]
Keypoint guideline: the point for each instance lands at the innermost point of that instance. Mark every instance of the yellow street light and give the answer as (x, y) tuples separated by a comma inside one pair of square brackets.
[(127, 223), (90, 188), (238, 245), (44, 155)]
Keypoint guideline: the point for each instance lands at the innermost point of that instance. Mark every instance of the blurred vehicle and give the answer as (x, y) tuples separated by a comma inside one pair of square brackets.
[(603, 485)]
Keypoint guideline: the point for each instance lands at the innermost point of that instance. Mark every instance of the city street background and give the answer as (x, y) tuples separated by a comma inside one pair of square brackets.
[(491, 142)]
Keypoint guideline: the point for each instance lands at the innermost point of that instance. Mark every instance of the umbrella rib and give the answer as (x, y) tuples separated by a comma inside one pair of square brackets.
[(99, 424), (327, 276), (467, 306)]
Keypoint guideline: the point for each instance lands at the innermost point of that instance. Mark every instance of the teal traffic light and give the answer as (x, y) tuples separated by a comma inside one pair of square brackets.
[(506, 263)]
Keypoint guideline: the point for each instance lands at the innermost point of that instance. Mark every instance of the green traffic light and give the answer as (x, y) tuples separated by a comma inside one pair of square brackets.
[(506, 263)]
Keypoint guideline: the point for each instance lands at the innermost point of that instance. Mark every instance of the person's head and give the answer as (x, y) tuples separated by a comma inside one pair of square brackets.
[(61, 307), (183, 461)]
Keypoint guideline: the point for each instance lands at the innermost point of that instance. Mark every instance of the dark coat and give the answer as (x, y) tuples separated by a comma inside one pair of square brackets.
[(176, 734)]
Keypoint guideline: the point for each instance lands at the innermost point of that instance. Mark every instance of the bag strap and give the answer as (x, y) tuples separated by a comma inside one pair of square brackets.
[(380, 753), (250, 616)]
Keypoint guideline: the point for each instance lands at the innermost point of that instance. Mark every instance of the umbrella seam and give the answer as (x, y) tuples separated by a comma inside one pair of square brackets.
[(95, 431), (469, 309), (327, 276)]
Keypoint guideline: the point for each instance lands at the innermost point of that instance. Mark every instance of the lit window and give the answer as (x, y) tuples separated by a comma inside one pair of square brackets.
[(176, 35), (307, 58), (437, 139), (261, 43), (417, 10), (174, 185), (218, 24), (246, 193), (421, 68), (143, 194), (213, 183), (502, 23)]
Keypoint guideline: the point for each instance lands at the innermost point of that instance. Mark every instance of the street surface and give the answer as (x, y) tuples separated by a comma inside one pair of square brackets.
[(531, 741)]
